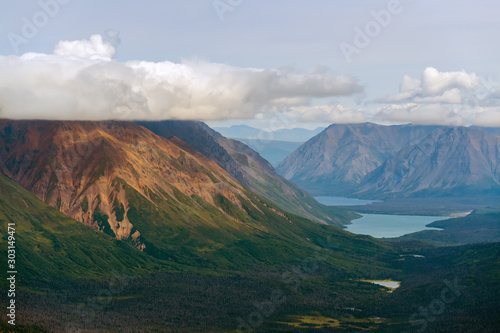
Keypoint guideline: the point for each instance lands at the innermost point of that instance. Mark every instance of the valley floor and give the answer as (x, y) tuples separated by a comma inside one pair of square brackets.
[(453, 289)]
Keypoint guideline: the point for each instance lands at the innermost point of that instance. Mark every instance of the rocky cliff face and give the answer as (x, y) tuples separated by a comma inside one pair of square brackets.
[(373, 160), (83, 168)]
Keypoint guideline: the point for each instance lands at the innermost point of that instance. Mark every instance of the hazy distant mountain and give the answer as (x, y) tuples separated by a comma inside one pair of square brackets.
[(273, 151), (374, 161), (274, 146), (251, 133), (342, 155), (240, 131)]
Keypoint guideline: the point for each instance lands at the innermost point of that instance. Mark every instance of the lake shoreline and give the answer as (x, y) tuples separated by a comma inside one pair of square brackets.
[(391, 226), (383, 225)]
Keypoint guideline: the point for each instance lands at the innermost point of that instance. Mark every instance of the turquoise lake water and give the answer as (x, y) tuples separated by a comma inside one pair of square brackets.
[(382, 225)]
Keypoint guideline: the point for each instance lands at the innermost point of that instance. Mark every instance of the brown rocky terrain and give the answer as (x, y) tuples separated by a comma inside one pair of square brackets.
[(81, 168), (250, 169)]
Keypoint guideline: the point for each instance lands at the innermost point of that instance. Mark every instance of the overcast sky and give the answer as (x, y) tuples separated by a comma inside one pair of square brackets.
[(267, 63)]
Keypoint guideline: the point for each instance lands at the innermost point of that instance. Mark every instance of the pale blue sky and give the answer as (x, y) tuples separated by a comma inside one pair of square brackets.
[(450, 36)]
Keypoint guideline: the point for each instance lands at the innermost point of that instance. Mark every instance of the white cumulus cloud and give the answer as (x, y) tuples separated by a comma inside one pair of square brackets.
[(85, 48), (415, 113), (80, 81), (422, 114), (435, 87), (435, 82)]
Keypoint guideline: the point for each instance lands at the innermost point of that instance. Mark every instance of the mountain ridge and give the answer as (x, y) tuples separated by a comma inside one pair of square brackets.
[(350, 160), (450, 160), (80, 168), (248, 167)]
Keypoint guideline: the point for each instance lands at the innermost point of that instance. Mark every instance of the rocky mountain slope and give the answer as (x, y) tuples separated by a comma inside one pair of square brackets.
[(375, 161), (249, 168), (50, 245), (85, 169), (459, 161), (342, 155)]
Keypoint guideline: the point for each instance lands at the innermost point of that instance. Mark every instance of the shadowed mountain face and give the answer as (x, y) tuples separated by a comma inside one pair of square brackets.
[(375, 161), (249, 168)]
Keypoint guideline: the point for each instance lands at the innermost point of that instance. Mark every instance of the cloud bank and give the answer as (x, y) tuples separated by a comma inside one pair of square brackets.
[(437, 98), (422, 114), (81, 81)]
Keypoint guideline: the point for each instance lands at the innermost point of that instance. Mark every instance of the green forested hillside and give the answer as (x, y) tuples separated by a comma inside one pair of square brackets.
[(51, 246)]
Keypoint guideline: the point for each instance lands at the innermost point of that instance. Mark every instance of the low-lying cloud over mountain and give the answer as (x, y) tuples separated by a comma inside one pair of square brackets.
[(81, 81)]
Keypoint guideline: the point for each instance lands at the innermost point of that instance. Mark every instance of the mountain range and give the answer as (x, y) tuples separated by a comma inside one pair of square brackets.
[(375, 161), (121, 229), (273, 151)]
